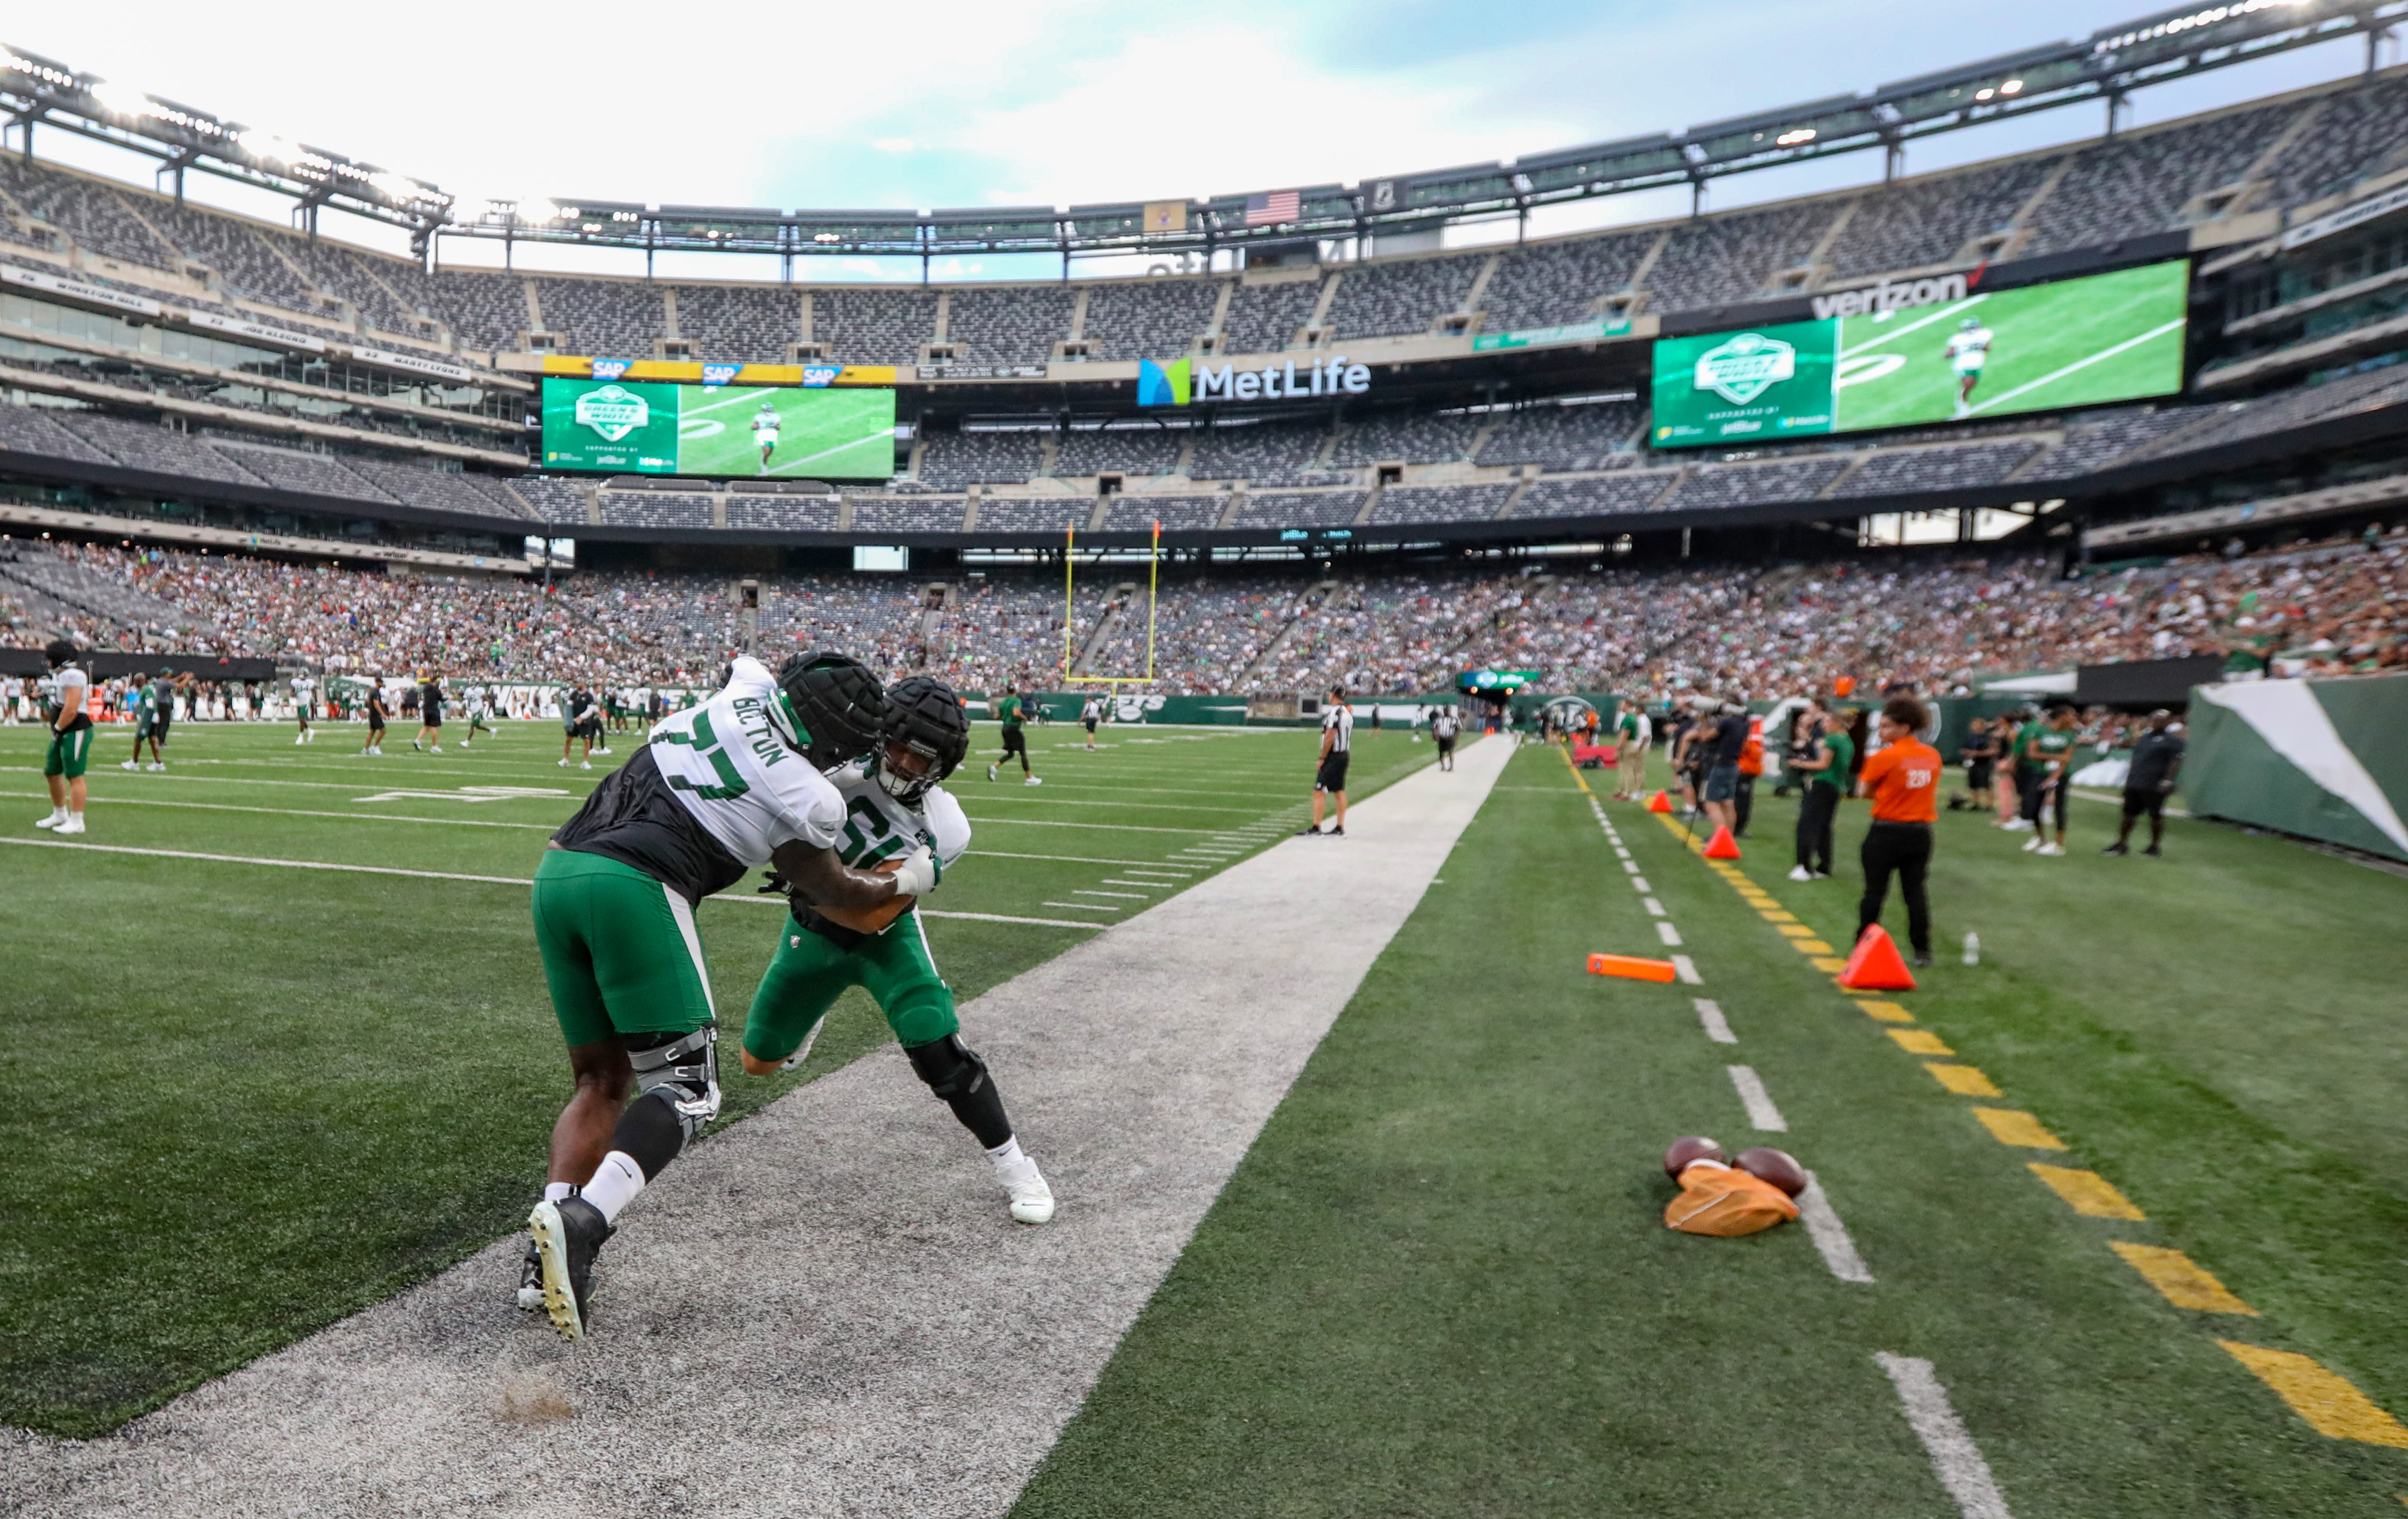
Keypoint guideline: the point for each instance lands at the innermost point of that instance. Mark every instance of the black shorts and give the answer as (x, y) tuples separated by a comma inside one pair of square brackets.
[(1090, 722), (1978, 774), (1446, 744), (434, 718), (1014, 740), (1332, 775), (2142, 800), (376, 724)]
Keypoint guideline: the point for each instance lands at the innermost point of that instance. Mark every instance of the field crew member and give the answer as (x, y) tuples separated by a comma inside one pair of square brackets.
[(1902, 778)]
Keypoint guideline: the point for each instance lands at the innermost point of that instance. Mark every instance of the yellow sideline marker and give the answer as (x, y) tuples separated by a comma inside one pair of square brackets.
[(1816, 948), (2330, 1404), (1964, 1080), (1888, 1012), (1784, 925), (1919, 1042), (2087, 1193), (2006, 1125), (2184, 1282)]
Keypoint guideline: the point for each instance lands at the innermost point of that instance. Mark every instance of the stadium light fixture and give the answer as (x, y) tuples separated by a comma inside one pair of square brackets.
[(1792, 139), (122, 99), (536, 208)]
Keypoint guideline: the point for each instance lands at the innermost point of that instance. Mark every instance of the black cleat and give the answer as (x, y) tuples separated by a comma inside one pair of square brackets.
[(1922, 960), (531, 1279), (566, 1235), (1337, 832), (2116, 849), (1307, 832), (2153, 852)]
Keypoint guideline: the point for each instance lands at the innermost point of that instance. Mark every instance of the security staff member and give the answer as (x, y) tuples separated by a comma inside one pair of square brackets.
[(1902, 778)]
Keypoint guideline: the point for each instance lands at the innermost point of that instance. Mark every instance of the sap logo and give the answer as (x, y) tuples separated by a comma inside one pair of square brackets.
[(720, 374), (818, 376), (1886, 296), (1161, 384), (609, 369)]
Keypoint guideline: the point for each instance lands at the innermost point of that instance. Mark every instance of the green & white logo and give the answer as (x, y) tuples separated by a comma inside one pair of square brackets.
[(1745, 367), (613, 411)]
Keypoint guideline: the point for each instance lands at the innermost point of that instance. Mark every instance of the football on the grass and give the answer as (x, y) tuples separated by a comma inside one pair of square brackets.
[(874, 919), (1777, 1166), (1687, 1152)]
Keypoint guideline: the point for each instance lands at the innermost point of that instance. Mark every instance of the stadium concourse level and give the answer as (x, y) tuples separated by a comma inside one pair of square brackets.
[(1939, 619)]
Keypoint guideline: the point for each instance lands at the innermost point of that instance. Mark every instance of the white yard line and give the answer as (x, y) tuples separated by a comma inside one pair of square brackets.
[(1955, 1460), (1758, 1102), (1719, 1028), (1829, 1235), (1686, 970), (1654, 909), (1081, 906), (1639, 883), (1671, 935), (293, 812), (1124, 896)]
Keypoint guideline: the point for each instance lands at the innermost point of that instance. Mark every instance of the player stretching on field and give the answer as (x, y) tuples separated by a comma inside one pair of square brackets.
[(893, 804), (1329, 772), (67, 699), (764, 432), (1008, 712), (305, 691), (1969, 348), (721, 789)]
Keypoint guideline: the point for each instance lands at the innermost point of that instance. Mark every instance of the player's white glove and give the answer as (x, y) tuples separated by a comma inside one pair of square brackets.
[(919, 873)]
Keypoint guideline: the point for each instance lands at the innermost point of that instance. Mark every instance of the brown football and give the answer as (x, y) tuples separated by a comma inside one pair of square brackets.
[(1686, 1152), (874, 919), (1777, 1166)]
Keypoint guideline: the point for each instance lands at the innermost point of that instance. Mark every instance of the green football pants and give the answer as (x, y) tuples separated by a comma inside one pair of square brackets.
[(810, 971), (620, 950)]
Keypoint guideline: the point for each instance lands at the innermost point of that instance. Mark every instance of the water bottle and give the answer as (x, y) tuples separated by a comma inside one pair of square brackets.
[(1973, 948)]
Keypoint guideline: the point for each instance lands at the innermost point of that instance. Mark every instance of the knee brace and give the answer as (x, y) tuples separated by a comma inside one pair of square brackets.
[(955, 1073), (682, 1070)]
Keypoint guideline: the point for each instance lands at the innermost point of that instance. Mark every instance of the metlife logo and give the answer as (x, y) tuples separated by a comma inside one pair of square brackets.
[(1182, 382)]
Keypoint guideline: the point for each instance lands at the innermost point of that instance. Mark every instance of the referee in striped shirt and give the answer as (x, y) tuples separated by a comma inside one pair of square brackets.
[(1330, 777)]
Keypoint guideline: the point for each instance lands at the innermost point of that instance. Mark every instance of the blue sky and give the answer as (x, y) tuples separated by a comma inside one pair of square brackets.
[(1013, 102)]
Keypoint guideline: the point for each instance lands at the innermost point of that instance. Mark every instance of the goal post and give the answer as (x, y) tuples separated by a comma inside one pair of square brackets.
[(1071, 620)]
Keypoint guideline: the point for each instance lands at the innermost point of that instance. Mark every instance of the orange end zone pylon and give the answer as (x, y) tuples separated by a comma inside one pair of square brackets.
[(1722, 846), (1630, 967), (1659, 803), (1875, 965)]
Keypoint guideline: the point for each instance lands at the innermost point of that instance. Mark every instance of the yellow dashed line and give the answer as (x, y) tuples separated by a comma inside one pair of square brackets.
[(1964, 1080), (2087, 1193), (1775, 915), (1888, 1012), (1830, 964), (2330, 1404), (1817, 948), (2006, 1125), (1919, 1042), (2184, 1282), (1782, 924)]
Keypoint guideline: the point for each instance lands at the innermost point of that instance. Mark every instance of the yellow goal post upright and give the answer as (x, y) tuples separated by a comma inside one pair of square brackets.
[(1069, 613)]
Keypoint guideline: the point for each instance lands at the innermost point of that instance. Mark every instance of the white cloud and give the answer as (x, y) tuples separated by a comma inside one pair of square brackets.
[(892, 145)]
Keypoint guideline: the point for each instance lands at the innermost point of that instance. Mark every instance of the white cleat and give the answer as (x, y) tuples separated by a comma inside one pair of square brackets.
[(564, 765), (438, 748), (2052, 849), (585, 764), (1800, 872), (2033, 843), (298, 742), (127, 764), (160, 765), (795, 1061), (75, 825), (1034, 780), (1032, 1200), (53, 820)]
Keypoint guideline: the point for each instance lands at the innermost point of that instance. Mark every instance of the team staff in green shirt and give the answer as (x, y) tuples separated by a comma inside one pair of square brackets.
[(2044, 773), (1008, 712), (1824, 771)]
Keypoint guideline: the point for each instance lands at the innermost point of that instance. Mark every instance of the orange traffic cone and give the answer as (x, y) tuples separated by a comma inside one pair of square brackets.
[(1722, 846), (1630, 967), (1659, 803), (1876, 965)]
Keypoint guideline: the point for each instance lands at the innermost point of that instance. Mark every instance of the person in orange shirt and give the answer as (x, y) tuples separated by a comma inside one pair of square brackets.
[(1902, 778)]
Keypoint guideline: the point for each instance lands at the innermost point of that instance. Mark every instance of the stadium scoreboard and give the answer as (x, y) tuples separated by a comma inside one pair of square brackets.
[(2086, 342), (634, 427)]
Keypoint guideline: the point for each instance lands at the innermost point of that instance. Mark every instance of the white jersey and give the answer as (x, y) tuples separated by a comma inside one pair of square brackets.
[(1091, 712), (302, 686), (733, 764), (765, 427), (878, 827), (1967, 351), (1340, 719)]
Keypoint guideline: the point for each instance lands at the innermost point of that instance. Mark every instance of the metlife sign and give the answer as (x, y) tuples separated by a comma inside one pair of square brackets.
[(1182, 382)]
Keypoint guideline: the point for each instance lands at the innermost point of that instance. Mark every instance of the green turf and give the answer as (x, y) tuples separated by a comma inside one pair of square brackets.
[(2046, 353), (241, 1101), (1439, 1283), (827, 434)]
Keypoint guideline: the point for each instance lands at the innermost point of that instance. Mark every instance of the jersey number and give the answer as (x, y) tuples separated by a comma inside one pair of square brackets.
[(706, 744), (863, 824)]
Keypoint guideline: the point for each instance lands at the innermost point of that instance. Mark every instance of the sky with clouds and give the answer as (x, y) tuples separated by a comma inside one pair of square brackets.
[(1051, 102)]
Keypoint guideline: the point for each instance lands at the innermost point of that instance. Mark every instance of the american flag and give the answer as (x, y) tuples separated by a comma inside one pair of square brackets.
[(1274, 208)]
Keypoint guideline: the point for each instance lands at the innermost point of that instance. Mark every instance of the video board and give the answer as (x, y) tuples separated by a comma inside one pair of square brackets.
[(631, 426)]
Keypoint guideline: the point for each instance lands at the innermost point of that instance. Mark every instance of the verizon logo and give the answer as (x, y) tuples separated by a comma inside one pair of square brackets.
[(1885, 296)]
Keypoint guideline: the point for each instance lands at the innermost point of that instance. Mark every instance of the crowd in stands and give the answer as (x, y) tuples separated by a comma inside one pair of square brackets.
[(1942, 623)]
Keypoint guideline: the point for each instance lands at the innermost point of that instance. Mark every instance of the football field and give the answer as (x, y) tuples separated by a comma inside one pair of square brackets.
[(2080, 342), (839, 434), (2108, 1223)]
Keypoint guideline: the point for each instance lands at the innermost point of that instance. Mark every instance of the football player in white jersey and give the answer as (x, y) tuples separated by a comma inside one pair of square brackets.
[(305, 691), (1969, 348), (479, 707), (894, 805), (766, 423), (719, 790)]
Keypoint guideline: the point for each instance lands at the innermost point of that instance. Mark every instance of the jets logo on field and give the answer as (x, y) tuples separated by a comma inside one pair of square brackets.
[(1746, 367), (613, 411)]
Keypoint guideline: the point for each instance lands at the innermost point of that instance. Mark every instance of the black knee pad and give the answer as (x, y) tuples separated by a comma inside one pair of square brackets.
[(955, 1073), (651, 1132)]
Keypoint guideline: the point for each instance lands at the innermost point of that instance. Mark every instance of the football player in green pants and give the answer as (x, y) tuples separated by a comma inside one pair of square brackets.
[(894, 805), (719, 790)]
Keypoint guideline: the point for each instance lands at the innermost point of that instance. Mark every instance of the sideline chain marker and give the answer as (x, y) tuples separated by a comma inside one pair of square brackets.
[(1631, 967)]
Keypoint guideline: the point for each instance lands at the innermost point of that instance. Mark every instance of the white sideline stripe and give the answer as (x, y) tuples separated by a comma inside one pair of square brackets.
[(293, 812), (1081, 906), (352, 785), (1050, 822), (1830, 1236), (1063, 859), (1124, 896), (1686, 970), (1150, 886), (1955, 1460), (1758, 1101), (1669, 934), (1655, 908), (1719, 1028), (1145, 806), (491, 880)]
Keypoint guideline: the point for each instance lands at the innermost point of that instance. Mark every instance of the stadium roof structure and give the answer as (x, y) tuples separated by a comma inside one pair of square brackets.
[(2106, 67)]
